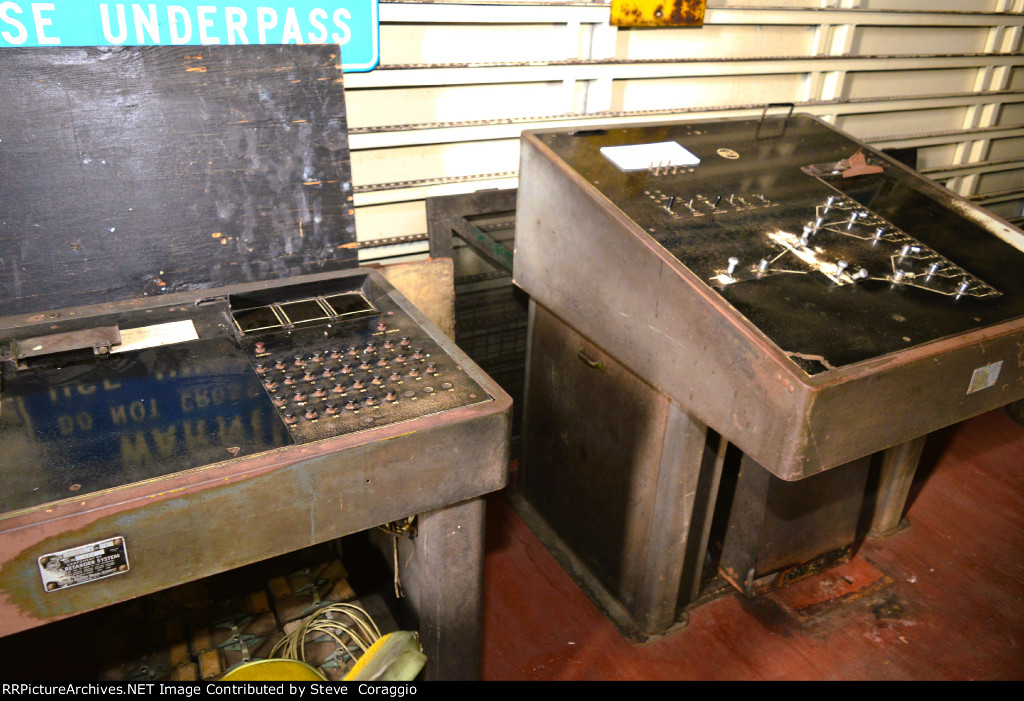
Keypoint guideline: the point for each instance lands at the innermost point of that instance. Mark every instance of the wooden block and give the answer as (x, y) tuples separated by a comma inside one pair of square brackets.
[(188, 672), (430, 286), (341, 591), (279, 588), (200, 641), (257, 602), (210, 665), (179, 653)]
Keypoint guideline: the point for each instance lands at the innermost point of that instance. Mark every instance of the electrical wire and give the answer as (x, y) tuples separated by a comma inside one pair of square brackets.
[(353, 624), (403, 528)]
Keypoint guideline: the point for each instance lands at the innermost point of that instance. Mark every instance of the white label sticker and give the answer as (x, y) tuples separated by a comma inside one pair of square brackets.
[(86, 563), (156, 335), (984, 377), (644, 156)]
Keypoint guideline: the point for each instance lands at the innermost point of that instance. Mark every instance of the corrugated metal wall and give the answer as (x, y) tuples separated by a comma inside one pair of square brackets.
[(458, 82)]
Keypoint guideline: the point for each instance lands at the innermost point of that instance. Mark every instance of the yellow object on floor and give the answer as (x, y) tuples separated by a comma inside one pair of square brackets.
[(397, 657), (273, 671)]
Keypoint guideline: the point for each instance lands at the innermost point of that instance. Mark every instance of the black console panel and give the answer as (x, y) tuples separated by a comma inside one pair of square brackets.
[(91, 402)]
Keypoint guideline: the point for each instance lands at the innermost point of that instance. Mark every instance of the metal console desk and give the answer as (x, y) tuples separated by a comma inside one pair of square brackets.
[(807, 298), (194, 375)]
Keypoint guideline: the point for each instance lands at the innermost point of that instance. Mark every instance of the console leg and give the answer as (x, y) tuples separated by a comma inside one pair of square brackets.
[(442, 574), (899, 464)]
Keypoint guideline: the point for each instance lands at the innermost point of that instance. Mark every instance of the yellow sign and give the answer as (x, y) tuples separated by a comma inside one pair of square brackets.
[(658, 13)]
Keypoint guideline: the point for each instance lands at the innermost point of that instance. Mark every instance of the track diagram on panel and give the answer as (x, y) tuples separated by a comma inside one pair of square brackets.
[(848, 244)]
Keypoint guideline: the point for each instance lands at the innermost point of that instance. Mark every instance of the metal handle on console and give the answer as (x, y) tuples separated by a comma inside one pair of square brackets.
[(764, 113), (590, 362)]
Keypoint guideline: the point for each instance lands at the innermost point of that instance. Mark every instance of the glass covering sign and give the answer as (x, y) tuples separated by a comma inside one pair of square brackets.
[(352, 24)]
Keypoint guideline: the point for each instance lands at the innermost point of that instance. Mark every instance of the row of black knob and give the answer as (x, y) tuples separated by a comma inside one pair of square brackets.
[(350, 404), (301, 361), (273, 380), (336, 352), (357, 382)]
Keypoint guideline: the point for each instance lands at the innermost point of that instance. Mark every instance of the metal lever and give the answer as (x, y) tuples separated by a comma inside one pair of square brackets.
[(764, 112), (98, 340)]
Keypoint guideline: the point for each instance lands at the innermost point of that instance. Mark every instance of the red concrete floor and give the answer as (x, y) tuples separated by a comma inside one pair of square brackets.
[(940, 600)]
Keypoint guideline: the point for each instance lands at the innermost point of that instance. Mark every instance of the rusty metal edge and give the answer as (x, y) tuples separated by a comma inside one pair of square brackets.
[(794, 465), (755, 335), (238, 469)]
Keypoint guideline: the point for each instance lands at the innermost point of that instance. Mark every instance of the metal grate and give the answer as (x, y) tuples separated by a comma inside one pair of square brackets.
[(478, 231)]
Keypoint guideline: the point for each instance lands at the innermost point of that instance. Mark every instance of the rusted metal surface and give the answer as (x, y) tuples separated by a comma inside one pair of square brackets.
[(805, 387), (658, 13), (119, 455), (570, 251), (190, 524), (613, 471), (899, 464), (96, 341), (442, 574), (780, 532), (430, 286)]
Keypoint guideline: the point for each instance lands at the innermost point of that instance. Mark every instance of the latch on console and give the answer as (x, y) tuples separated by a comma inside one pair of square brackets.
[(99, 340)]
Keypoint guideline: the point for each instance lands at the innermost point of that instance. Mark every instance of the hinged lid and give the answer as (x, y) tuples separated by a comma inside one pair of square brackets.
[(137, 171)]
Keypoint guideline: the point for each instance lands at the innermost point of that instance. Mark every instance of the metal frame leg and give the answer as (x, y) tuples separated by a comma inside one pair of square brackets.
[(664, 553), (441, 571), (899, 464)]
